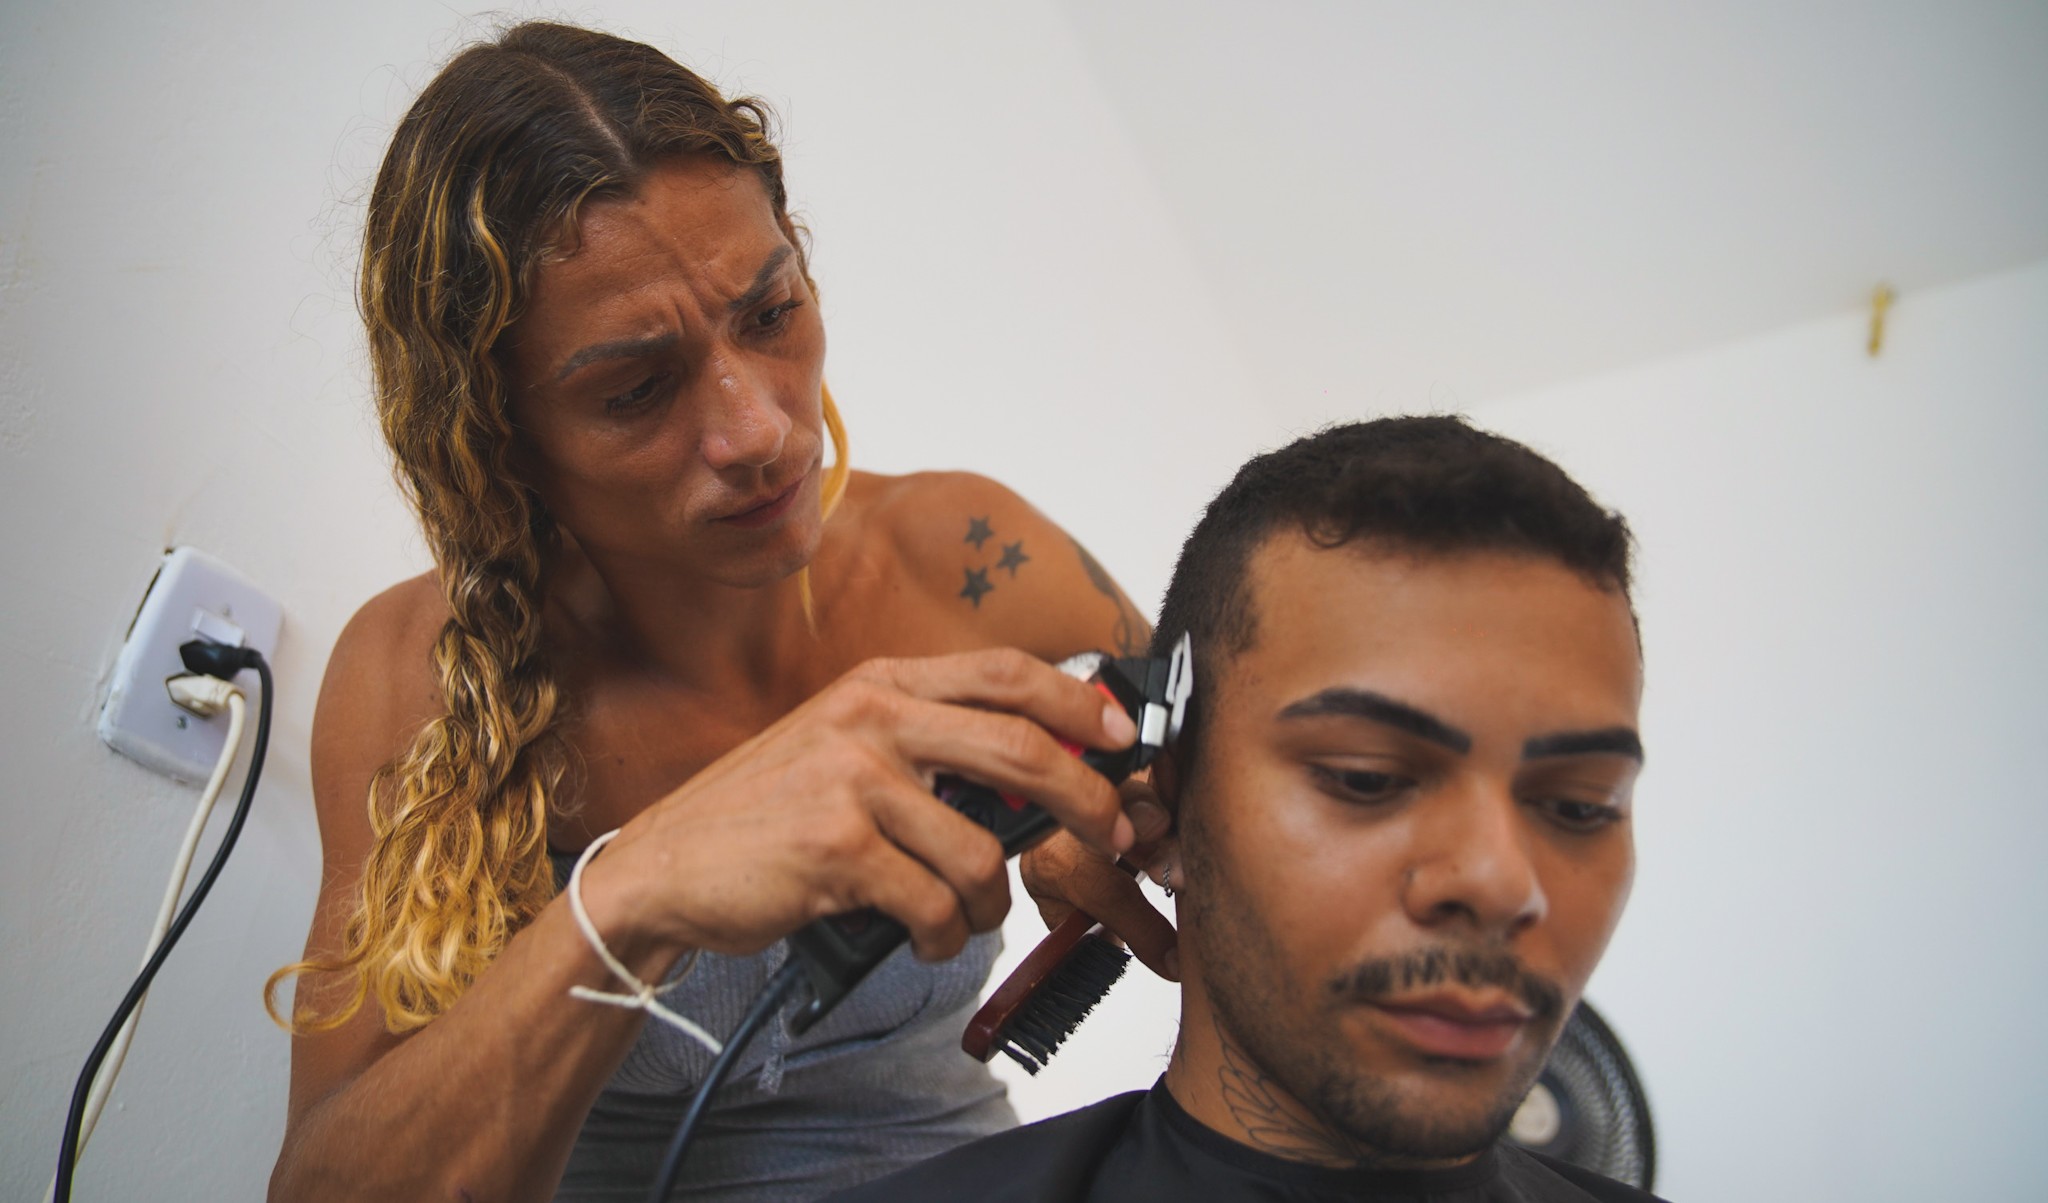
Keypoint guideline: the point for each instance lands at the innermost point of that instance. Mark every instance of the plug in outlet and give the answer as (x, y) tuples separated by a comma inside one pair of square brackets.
[(193, 596)]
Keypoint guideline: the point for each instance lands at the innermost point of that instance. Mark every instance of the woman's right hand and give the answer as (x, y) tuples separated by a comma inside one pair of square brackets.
[(831, 809)]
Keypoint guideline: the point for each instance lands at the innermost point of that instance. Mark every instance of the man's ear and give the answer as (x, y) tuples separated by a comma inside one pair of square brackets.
[(1162, 857), (1166, 782)]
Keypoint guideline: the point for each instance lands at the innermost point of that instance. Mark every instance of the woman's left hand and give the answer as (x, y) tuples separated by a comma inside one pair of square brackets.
[(1063, 874)]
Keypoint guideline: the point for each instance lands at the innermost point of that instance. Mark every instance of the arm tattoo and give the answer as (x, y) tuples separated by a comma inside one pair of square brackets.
[(1131, 633), (1271, 1125)]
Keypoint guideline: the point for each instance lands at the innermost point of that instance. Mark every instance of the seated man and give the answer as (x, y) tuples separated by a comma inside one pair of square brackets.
[(1401, 841)]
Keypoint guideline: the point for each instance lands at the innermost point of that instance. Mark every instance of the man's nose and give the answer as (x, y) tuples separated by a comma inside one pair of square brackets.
[(1473, 863), (744, 426)]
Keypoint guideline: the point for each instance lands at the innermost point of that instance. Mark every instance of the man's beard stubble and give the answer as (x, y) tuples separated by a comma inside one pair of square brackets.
[(1248, 989)]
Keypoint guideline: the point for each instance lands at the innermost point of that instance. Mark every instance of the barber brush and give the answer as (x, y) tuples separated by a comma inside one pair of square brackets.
[(1039, 1005)]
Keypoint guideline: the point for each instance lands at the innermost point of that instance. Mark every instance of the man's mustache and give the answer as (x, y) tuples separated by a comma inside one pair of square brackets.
[(1385, 978)]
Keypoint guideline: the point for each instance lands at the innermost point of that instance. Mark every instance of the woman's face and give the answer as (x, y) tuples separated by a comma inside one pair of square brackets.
[(665, 379)]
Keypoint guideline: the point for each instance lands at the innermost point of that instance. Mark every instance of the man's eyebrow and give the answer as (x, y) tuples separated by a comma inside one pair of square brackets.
[(624, 348), (1617, 741), (1381, 709), (763, 280)]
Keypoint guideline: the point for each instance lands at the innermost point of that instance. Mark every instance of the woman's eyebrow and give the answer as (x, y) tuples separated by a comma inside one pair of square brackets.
[(624, 348), (1617, 741), (655, 344), (1381, 709), (763, 280)]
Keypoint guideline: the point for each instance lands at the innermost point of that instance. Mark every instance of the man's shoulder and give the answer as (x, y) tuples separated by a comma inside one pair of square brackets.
[(1541, 1176), (1046, 1161)]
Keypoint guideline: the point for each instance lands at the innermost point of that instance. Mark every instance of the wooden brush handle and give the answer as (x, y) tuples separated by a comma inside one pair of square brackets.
[(979, 1040)]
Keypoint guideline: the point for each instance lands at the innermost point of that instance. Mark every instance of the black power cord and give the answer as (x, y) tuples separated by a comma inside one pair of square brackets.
[(215, 660), (766, 1004)]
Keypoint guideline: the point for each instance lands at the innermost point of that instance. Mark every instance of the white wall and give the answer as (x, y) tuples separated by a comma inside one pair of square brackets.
[(1840, 558), (1831, 971), (1481, 199)]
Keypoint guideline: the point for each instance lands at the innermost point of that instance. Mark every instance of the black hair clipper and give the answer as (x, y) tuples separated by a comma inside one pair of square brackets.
[(838, 952)]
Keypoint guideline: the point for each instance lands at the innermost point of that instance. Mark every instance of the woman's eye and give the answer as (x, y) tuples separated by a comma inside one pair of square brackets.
[(1361, 785), (770, 320), (635, 397), (1573, 815)]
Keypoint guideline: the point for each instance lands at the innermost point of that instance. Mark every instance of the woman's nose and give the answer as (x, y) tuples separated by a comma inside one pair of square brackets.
[(744, 424)]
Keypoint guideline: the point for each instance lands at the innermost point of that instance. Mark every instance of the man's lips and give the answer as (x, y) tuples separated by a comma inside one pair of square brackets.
[(765, 510), (1459, 1026)]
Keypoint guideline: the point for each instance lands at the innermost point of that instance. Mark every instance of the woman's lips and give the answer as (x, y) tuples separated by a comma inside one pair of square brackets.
[(767, 511), (1463, 1033)]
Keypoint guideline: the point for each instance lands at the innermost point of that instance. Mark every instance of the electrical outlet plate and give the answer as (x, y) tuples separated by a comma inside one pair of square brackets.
[(193, 595)]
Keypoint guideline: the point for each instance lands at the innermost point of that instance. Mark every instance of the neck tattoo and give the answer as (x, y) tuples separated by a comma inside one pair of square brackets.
[(1281, 1127)]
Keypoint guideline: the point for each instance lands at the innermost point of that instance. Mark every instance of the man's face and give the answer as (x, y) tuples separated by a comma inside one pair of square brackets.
[(1406, 837)]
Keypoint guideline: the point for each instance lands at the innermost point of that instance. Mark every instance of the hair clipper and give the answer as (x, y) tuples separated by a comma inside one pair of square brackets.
[(838, 952)]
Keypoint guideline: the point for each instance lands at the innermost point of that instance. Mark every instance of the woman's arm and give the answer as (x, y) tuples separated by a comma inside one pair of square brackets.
[(489, 1096), (824, 812), (994, 560)]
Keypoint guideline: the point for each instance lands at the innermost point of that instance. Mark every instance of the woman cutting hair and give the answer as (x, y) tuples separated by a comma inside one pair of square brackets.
[(658, 606)]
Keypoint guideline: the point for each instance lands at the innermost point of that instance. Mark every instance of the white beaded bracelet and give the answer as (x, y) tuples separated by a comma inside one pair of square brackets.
[(644, 996)]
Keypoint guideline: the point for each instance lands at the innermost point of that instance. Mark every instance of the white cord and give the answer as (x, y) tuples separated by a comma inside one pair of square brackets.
[(644, 997), (208, 701)]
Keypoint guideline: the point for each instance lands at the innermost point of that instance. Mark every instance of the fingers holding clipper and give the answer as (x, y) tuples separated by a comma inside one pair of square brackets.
[(904, 888), (1016, 755), (1014, 681), (951, 847)]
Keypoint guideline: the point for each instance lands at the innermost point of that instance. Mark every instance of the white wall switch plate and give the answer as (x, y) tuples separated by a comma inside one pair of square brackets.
[(193, 596)]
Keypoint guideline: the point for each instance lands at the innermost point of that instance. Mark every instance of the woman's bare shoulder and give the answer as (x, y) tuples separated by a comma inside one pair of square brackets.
[(380, 686), (920, 509), (390, 640), (938, 525), (978, 550)]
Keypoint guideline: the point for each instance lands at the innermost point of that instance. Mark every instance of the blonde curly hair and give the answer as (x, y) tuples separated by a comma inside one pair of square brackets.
[(485, 175)]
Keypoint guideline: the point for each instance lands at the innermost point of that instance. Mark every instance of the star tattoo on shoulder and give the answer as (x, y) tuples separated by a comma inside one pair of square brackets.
[(976, 586), (978, 532), (1013, 557)]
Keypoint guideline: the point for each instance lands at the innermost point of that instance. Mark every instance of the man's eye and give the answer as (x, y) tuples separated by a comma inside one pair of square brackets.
[(1574, 815), (1360, 785), (636, 397)]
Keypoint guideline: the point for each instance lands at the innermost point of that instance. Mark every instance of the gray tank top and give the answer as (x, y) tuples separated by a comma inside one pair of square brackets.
[(879, 1084)]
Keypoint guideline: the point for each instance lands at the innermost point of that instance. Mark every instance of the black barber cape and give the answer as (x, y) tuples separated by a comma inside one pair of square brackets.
[(1142, 1148)]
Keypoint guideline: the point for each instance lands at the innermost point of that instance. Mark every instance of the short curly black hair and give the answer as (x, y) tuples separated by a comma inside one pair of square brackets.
[(1421, 484)]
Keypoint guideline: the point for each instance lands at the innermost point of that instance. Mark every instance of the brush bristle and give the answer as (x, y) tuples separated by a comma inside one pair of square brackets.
[(1041, 1025)]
